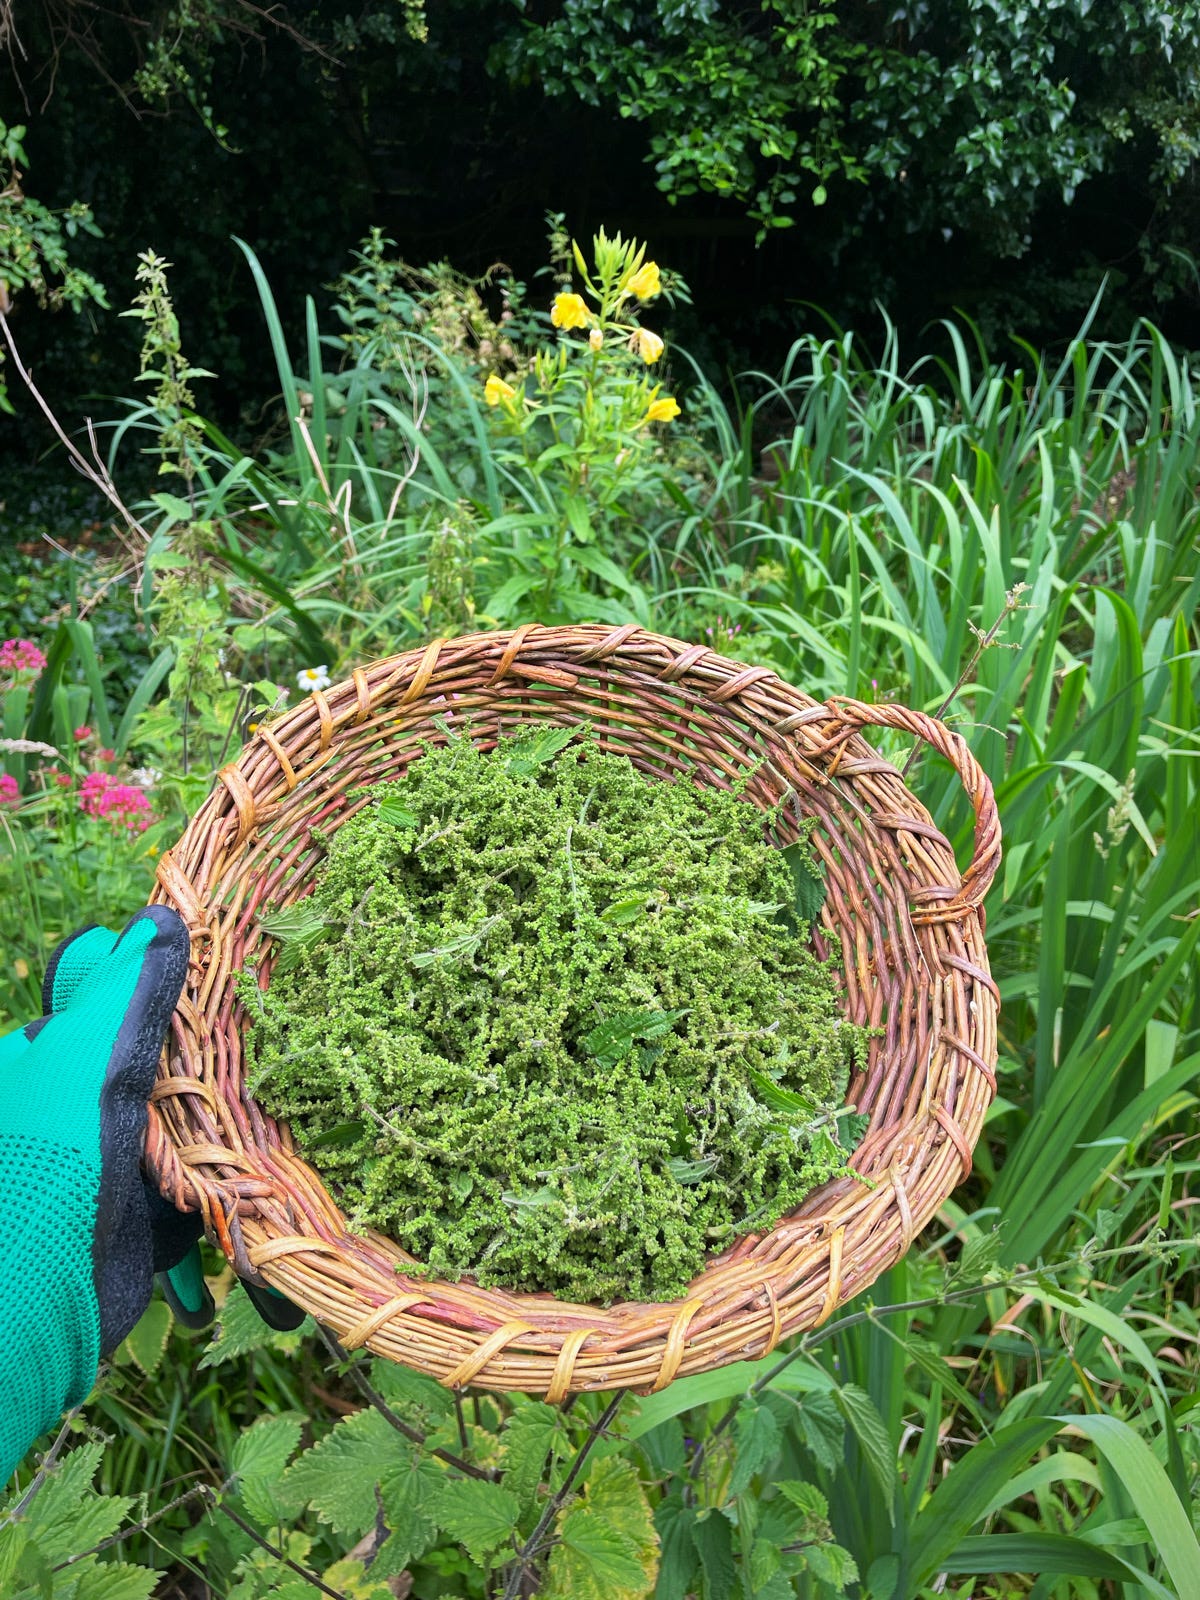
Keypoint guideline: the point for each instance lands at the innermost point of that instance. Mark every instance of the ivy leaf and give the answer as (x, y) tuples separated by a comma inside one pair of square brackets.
[(528, 1439), (758, 1444), (480, 1516), (337, 1477), (874, 1441), (526, 755), (610, 1041)]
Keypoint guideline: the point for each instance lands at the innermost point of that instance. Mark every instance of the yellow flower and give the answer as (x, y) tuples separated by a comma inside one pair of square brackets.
[(569, 311), (595, 339), (648, 345), (645, 281), (664, 410), (495, 390)]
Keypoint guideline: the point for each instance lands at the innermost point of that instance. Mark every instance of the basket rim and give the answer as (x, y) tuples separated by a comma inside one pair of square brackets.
[(212, 1150)]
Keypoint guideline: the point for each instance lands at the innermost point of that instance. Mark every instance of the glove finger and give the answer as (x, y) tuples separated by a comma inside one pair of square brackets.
[(73, 961), (173, 1234), (186, 1292), (123, 1271), (276, 1310)]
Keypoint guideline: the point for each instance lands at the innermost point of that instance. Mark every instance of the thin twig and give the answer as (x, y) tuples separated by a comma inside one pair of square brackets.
[(44, 1470), (253, 1533), (529, 1551), (199, 1491), (406, 1429)]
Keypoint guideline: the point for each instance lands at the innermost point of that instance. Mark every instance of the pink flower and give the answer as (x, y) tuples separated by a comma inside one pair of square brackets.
[(117, 803), (21, 655), (82, 733), (10, 793), (63, 780), (105, 755)]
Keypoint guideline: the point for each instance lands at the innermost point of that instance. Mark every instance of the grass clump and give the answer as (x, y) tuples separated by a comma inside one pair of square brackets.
[(556, 1025)]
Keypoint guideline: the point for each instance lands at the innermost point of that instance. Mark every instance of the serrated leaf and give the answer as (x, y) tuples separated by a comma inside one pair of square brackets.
[(610, 1041), (779, 1099), (687, 1172), (678, 1560), (593, 1560), (66, 1514), (297, 930), (532, 1431), (393, 810), (117, 1581), (408, 1499), (410, 1393), (822, 1429), (333, 1138), (622, 912), (871, 1432), (240, 1329), (615, 1493), (480, 1516), (808, 881), (832, 1565), (260, 1456), (147, 1340), (713, 1538), (526, 754), (338, 1476), (758, 1444)]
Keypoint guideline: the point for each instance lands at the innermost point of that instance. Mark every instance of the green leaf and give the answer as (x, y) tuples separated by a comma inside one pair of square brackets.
[(1036, 1555), (678, 1560), (240, 1329), (611, 1041), (758, 1444), (528, 753), (777, 1099), (1154, 1498), (146, 1341), (338, 1476), (395, 812), (593, 1560), (808, 881), (297, 929), (874, 1441), (260, 1456), (530, 1435), (822, 1430), (480, 1516), (687, 1172), (408, 1498), (116, 1581), (713, 1539), (333, 1138)]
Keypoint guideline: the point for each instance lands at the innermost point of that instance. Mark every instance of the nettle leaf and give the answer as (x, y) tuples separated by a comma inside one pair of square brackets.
[(147, 1341), (393, 810), (66, 1514), (410, 1393), (615, 1493), (679, 1560), (593, 1560), (480, 1516), (333, 1138), (532, 1431), (610, 1041), (240, 1329), (713, 1538), (622, 912), (259, 1458), (408, 1499), (338, 1476), (527, 754), (832, 1565), (808, 881), (297, 930), (779, 1099), (691, 1171), (115, 1581), (822, 1429), (870, 1430), (758, 1444)]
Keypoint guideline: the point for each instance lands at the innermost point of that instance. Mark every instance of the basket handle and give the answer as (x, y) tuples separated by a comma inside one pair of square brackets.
[(976, 880)]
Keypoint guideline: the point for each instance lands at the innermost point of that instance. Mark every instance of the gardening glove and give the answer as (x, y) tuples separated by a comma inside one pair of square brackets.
[(83, 1231)]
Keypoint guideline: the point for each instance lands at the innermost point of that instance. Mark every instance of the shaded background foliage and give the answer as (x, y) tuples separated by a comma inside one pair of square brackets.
[(994, 156)]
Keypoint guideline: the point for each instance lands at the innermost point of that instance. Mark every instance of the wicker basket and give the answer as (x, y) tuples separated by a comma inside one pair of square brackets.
[(908, 926)]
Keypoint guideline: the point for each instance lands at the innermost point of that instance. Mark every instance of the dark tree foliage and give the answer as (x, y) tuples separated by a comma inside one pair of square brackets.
[(998, 156)]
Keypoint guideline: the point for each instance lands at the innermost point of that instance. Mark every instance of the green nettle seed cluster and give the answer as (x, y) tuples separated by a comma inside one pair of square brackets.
[(551, 1023)]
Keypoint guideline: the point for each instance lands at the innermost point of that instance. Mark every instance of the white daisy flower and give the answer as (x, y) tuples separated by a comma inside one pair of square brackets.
[(314, 678)]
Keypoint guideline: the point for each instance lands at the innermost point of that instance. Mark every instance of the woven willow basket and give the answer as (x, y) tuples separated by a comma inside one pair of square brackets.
[(906, 925)]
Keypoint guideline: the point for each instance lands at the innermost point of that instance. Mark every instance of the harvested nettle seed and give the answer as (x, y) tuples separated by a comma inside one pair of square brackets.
[(557, 1025)]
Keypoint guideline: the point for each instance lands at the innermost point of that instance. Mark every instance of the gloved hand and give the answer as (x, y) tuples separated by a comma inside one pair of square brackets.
[(83, 1231)]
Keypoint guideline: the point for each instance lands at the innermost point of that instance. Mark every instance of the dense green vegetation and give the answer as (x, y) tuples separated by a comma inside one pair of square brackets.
[(1007, 537)]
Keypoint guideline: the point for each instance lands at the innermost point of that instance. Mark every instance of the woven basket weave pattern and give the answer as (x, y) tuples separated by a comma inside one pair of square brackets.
[(906, 925)]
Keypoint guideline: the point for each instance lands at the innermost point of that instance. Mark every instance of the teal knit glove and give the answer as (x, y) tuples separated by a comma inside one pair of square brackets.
[(83, 1231)]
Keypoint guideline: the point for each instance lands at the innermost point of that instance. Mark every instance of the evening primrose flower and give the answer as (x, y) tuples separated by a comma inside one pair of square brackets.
[(495, 390), (648, 345), (646, 281), (314, 678), (569, 311), (664, 410), (595, 339)]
